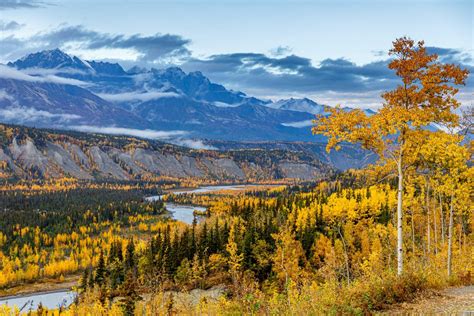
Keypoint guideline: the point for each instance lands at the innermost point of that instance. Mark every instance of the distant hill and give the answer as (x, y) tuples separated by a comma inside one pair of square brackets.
[(27, 153), (349, 157)]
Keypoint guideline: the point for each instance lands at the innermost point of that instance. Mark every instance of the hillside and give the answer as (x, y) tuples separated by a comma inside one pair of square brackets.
[(37, 153), (349, 157)]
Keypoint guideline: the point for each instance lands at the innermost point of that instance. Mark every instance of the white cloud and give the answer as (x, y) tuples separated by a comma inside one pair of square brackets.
[(137, 96), (192, 143), (5, 96), (173, 137), (11, 73), (147, 133), (21, 114), (300, 124), (49, 72)]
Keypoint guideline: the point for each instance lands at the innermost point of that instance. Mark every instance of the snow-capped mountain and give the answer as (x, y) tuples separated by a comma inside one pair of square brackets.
[(299, 105), (51, 59), (58, 89)]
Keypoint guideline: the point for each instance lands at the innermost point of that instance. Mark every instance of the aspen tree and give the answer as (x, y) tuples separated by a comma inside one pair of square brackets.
[(425, 95)]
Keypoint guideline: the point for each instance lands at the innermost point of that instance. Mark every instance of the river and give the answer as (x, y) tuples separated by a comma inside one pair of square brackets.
[(51, 300), (185, 213)]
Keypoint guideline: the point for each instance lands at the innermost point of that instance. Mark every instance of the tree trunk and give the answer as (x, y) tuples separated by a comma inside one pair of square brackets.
[(428, 230), (450, 236), (443, 234), (400, 213), (460, 233), (413, 233), (435, 229), (346, 257)]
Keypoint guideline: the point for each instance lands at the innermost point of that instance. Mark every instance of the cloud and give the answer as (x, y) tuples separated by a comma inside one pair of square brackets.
[(263, 75), (277, 74), (12, 73), (153, 49), (22, 114), (5, 96), (147, 133), (173, 137), (280, 51), (192, 143), (9, 26), (451, 55), (331, 79), (300, 124), (21, 4), (137, 96)]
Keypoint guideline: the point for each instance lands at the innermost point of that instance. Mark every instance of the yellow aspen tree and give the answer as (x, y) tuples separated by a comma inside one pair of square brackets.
[(288, 254), (425, 95), (449, 159), (235, 257)]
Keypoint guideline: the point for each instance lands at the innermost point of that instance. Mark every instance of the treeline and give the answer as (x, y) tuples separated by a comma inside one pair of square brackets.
[(53, 234), (63, 212)]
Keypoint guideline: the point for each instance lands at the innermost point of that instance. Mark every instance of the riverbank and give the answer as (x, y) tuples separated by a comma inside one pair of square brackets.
[(43, 286)]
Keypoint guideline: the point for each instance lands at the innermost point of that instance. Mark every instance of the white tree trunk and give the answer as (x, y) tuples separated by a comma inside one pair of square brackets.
[(400, 214), (428, 229), (450, 236), (346, 256), (435, 230), (442, 220)]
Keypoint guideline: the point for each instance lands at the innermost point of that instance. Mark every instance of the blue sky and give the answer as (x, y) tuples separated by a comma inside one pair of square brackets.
[(332, 51)]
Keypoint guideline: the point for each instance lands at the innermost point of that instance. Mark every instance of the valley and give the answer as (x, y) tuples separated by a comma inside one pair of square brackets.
[(137, 179)]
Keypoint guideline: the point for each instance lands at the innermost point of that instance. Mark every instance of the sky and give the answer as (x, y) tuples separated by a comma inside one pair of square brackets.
[(331, 51)]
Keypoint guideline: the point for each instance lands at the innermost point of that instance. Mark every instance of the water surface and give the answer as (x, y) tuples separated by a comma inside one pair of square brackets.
[(185, 213), (50, 300)]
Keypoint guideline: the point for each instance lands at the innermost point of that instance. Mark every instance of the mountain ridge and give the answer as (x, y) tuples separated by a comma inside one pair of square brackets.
[(27, 153)]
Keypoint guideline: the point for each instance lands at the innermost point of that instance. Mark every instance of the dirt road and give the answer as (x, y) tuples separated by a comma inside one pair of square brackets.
[(452, 301)]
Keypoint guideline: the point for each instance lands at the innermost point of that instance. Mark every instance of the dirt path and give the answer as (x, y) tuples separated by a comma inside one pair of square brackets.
[(452, 301)]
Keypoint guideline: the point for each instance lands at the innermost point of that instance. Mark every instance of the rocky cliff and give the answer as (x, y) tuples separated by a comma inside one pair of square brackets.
[(36, 153)]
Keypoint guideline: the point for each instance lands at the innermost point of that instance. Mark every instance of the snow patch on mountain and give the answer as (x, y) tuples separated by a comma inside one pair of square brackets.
[(299, 105), (137, 96), (300, 124)]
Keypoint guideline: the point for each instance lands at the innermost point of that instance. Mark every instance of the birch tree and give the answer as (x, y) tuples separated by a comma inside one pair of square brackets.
[(425, 95)]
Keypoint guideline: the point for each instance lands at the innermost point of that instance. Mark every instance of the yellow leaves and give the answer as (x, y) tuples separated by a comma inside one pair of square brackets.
[(426, 95), (62, 267), (351, 126), (3, 239), (287, 256), (355, 204), (235, 258)]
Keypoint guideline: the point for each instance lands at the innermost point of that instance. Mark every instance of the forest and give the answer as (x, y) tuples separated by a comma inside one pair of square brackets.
[(356, 242)]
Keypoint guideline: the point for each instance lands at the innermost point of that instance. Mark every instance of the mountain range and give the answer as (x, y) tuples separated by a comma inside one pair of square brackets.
[(51, 89)]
